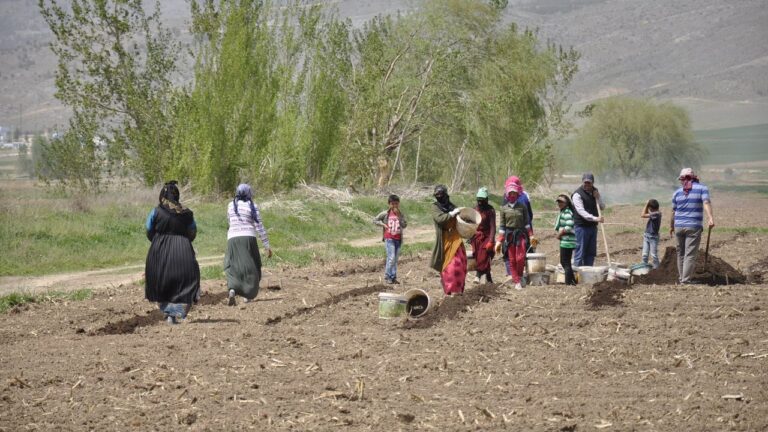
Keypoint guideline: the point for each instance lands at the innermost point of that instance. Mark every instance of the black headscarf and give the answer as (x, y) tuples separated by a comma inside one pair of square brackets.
[(442, 200), (169, 197)]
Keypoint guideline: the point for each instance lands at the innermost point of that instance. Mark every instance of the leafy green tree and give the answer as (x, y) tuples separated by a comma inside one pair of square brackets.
[(39, 156), (115, 64), (72, 159), (451, 87), (287, 92), (267, 105), (638, 138)]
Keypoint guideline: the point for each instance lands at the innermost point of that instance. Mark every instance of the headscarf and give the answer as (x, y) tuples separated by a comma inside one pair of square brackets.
[(244, 193), (443, 201), (482, 199), (169, 197), (513, 180), (688, 177), (512, 187)]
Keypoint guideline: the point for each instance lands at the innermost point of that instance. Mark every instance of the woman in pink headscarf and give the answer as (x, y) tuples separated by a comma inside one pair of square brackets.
[(514, 232)]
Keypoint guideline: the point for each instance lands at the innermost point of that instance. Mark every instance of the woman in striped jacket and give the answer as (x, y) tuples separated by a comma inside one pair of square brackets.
[(566, 235)]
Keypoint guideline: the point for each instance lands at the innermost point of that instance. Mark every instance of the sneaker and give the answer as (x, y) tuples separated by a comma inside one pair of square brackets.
[(476, 280), (232, 300), (518, 286), (395, 282), (171, 320), (248, 300)]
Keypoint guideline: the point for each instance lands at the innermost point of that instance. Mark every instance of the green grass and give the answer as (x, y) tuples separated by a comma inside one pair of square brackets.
[(43, 232), (739, 188), (212, 272), (731, 145), (15, 299)]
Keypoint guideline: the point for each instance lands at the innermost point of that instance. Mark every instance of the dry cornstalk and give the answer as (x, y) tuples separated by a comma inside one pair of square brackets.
[(487, 413), (360, 387), (603, 424), (22, 383), (333, 394)]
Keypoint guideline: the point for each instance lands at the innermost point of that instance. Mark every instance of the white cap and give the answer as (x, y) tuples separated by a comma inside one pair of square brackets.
[(685, 172)]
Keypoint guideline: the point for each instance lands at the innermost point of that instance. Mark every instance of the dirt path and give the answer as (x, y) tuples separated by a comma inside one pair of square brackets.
[(92, 279), (412, 235), (125, 275)]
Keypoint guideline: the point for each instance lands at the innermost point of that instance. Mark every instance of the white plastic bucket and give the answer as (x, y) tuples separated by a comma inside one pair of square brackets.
[(391, 305), (537, 262), (559, 275), (537, 279), (417, 303), (640, 269), (591, 275)]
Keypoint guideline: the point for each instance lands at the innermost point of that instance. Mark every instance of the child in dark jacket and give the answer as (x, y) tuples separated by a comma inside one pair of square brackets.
[(651, 234)]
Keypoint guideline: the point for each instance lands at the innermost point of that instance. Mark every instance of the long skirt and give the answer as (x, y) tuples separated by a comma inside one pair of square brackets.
[(172, 274), (454, 275), (483, 256), (242, 265)]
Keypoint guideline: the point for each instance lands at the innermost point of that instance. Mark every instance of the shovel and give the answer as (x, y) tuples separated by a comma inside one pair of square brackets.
[(605, 241), (706, 249)]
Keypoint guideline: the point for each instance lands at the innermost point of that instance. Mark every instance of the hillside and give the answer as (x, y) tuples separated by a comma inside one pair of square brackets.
[(707, 55)]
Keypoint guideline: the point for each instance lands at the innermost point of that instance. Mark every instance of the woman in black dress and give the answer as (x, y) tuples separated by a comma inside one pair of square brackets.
[(172, 273)]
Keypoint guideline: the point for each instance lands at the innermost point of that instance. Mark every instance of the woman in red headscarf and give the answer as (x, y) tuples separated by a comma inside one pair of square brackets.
[(514, 232)]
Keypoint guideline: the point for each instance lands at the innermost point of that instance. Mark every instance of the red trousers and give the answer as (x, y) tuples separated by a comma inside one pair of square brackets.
[(516, 257)]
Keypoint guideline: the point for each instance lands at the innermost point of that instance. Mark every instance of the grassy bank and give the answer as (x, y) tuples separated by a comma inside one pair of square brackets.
[(16, 299), (43, 232), (732, 145)]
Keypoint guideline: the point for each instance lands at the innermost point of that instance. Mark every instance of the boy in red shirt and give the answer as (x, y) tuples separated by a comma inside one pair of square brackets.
[(392, 221)]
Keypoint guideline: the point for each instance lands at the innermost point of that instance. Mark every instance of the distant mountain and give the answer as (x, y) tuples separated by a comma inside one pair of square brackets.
[(708, 55)]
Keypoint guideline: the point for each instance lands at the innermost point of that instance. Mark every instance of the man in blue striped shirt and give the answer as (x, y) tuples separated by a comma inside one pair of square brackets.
[(689, 203)]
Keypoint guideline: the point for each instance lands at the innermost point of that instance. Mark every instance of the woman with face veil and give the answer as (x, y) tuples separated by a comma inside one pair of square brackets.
[(172, 274), (448, 256)]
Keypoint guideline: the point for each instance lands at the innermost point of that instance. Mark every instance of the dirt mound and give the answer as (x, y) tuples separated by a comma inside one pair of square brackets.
[(208, 298), (715, 272), (758, 271), (357, 268), (452, 306), (129, 325), (606, 293)]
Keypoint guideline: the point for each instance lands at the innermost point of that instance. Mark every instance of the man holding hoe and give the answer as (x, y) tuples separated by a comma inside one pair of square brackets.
[(689, 203)]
